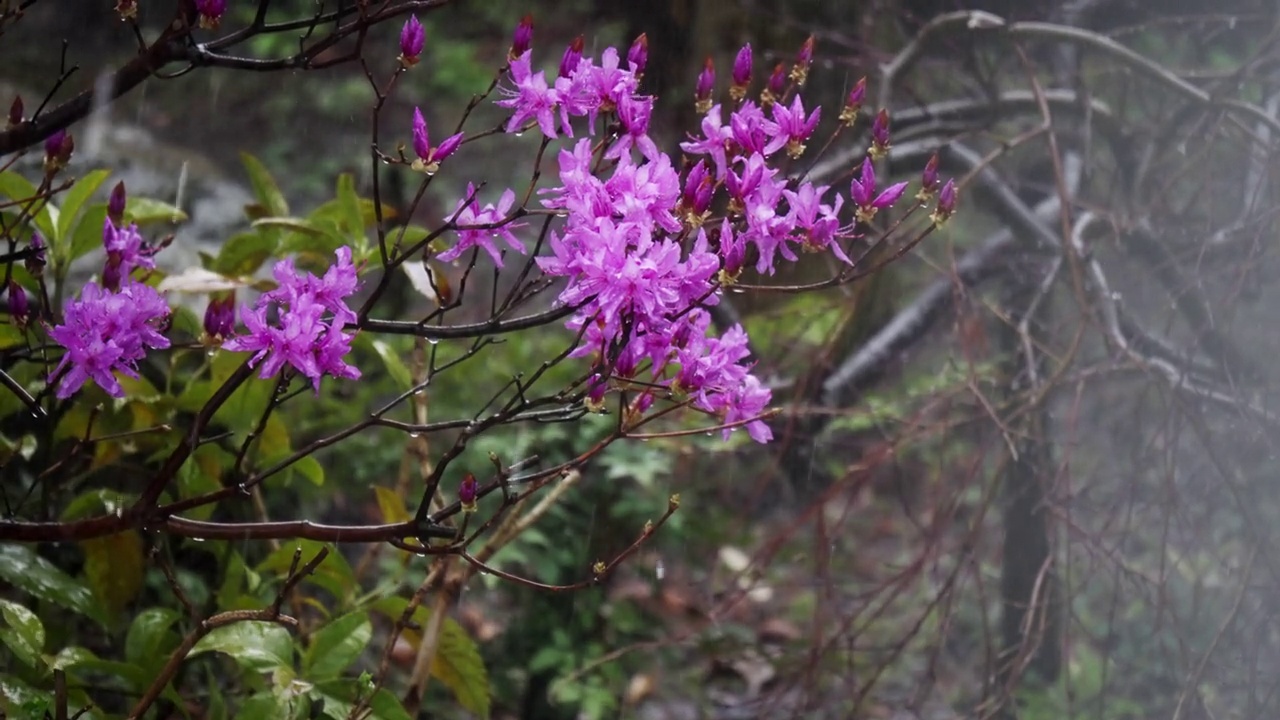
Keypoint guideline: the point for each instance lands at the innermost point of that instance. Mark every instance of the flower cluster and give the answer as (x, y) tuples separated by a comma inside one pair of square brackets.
[(640, 263), (301, 322), (107, 331)]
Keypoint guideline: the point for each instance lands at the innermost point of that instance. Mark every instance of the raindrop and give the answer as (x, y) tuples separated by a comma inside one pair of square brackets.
[(433, 341), (431, 173), (197, 539), (660, 571), (520, 134), (414, 434), (211, 352), (737, 290)]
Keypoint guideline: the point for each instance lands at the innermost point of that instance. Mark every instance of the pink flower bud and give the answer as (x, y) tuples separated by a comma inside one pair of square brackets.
[(412, 38), (127, 9), (429, 158), (220, 317), (638, 55), (706, 84), (15, 112), (19, 305), (853, 104), (36, 259), (572, 56), (741, 73), (929, 178), (946, 203), (211, 12), (804, 58), (776, 87), (116, 204), (57, 151), (467, 491), (522, 39), (880, 134)]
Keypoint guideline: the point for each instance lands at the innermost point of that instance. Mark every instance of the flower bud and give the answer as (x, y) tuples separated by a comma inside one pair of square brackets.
[(211, 12), (880, 135), (412, 38), (429, 158), (572, 56), (19, 305), (127, 9), (929, 179), (15, 112), (776, 87), (522, 39), (220, 316), (467, 491), (57, 151), (638, 55), (741, 73), (595, 396), (853, 104), (706, 84), (804, 58), (946, 204), (116, 205), (36, 259)]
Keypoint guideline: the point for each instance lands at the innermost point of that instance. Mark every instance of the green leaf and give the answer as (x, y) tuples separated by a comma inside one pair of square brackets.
[(339, 698), (336, 646), (22, 568), (146, 211), (87, 233), (71, 202), (350, 218), (243, 253), (95, 502), (457, 663), (391, 505), (24, 633), (254, 644), (114, 567), (459, 666), (18, 188), (145, 641), (395, 364), (309, 468), (264, 186), (263, 705)]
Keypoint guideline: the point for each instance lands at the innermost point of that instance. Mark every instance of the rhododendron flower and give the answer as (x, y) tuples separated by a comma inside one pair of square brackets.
[(819, 221), (126, 250), (469, 214), (794, 128), (638, 55), (105, 332), (308, 333), (862, 190), (211, 12), (705, 86), (531, 98), (716, 138), (429, 158), (522, 38), (741, 73)]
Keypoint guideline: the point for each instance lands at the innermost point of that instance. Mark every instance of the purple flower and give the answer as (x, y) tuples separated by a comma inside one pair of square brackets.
[(695, 201), (638, 55), (105, 332), (929, 179), (733, 252), (715, 140), (468, 215), (753, 132), (794, 128), (57, 151), (126, 250), (522, 39), (818, 221), (531, 98), (849, 114), (862, 190), (741, 75), (467, 490), (429, 158), (412, 38), (211, 12), (706, 84), (308, 335), (633, 116)]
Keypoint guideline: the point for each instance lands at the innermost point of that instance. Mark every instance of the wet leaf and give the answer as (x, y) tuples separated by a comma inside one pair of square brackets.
[(86, 235), (337, 645), (243, 253), (199, 280), (264, 186), (391, 505), (22, 568), (144, 643), (19, 189), (114, 566), (457, 663), (395, 364), (255, 645), (333, 574), (23, 632), (146, 211), (72, 201)]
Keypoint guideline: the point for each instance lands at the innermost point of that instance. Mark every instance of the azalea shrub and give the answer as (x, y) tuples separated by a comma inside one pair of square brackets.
[(151, 419)]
